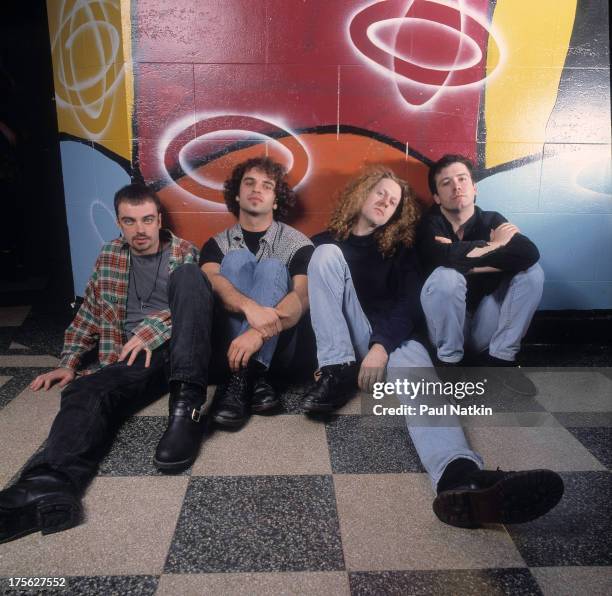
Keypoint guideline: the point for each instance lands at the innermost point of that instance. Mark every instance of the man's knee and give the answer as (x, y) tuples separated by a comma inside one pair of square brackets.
[(445, 282), (325, 257), (190, 277), (534, 277)]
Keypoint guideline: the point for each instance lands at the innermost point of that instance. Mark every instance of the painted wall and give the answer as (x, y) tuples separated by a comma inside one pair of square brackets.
[(180, 92)]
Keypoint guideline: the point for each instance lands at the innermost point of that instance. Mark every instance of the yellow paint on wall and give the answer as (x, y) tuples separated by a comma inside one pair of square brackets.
[(521, 95), (91, 72)]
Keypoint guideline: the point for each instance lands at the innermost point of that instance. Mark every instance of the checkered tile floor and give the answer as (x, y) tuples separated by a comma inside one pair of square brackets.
[(293, 505)]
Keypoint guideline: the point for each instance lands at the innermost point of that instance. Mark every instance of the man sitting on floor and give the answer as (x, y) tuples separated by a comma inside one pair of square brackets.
[(257, 269), (363, 285), (147, 309), (484, 282)]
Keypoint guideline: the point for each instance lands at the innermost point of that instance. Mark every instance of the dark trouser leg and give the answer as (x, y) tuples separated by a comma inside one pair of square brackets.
[(90, 408), (190, 297)]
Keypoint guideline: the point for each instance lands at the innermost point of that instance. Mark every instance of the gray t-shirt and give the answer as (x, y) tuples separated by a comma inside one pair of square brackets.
[(143, 273)]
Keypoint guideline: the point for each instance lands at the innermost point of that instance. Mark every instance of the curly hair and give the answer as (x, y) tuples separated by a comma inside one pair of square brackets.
[(401, 227), (285, 197)]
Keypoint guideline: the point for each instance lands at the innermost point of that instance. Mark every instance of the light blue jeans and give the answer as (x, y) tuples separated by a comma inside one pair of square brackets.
[(499, 323), (343, 332), (266, 282)]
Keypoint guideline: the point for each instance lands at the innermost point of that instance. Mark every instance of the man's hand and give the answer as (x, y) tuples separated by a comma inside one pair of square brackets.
[(263, 319), (133, 347), (443, 240), (503, 234), (63, 376), (242, 348), (373, 367)]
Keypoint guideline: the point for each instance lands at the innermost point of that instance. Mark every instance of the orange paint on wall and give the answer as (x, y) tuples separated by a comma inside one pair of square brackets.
[(335, 160)]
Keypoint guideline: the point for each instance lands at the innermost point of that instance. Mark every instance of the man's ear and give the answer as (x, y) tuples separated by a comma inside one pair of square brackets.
[(436, 198), (159, 219)]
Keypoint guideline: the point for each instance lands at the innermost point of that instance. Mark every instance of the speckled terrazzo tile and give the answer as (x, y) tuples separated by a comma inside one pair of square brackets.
[(445, 583), (597, 440), (126, 585), (281, 444), (257, 523), (569, 581), (24, 425), (20, 378), (132, 450), (574, 391), (387, 523), (43, 333), (576, 532), (6, 337), (578, 419), (370, 444), (28, 361), (521, 448), (3, 380), (313, 583), (127, 530), (13, 316)]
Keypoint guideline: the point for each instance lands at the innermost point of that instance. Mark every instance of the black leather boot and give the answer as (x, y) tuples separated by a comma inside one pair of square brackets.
[(41, 500), (498, 497), (332, 389), (263, 396), (231, 407), (180, 444)]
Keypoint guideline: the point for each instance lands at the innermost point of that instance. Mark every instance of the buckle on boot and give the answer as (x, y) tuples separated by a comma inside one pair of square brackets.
[(195, 415)]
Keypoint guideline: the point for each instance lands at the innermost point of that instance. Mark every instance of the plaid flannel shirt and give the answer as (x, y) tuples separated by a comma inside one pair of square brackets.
[(102, 315)]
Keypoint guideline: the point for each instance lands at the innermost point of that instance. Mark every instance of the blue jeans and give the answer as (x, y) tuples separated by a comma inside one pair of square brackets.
[(266, 282), (343, 335), (499, 323)]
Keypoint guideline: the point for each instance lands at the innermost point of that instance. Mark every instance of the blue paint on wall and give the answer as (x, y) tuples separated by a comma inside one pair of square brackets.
[(90, 182), (564, 204)]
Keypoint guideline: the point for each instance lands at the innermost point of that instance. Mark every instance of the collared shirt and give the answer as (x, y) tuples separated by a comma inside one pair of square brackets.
[(280, 241), (101, 318)]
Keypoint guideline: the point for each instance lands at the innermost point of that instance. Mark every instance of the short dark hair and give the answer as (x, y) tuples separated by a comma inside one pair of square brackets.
[(444, 162), (285, 197), (135, 194)]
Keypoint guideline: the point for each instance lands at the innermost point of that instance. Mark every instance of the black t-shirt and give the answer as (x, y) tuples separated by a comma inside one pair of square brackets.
[(298, 265), (388, 288)]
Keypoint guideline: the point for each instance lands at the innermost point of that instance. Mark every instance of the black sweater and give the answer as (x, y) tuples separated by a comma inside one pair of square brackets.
[(519, 254), (388, 289)]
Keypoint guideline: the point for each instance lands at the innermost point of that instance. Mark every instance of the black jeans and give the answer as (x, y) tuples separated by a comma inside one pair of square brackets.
[(93, 405)]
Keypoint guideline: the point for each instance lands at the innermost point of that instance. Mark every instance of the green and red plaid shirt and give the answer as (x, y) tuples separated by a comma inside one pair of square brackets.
[(101, 317)]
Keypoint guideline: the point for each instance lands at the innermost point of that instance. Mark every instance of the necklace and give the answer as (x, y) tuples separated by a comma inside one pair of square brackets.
[(144, 302)]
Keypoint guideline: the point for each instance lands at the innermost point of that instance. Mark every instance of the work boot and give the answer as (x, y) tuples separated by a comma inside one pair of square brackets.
[(180, 443), (498, 497), (263, 395), (332, 389), (231, 408), (41, 500)]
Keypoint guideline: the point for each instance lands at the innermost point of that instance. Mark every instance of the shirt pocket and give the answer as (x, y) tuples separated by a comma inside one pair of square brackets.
[(108, 310)]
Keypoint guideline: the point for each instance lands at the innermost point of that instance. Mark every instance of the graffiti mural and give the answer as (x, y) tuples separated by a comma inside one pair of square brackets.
[(178, 93)]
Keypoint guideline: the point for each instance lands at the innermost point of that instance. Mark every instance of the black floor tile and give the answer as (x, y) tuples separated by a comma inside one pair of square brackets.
[(132, 450), (597, 440), (132, 585), (21, 378), (444, 583), (257, 523), (577, 532), (579, 419), (370, 445), (43, 333)]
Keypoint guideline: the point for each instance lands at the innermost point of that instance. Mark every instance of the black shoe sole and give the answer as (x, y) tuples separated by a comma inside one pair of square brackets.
[(324, 407), (519, 498), (258, 408), (228, 422), (174, 466), (45, 515)]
